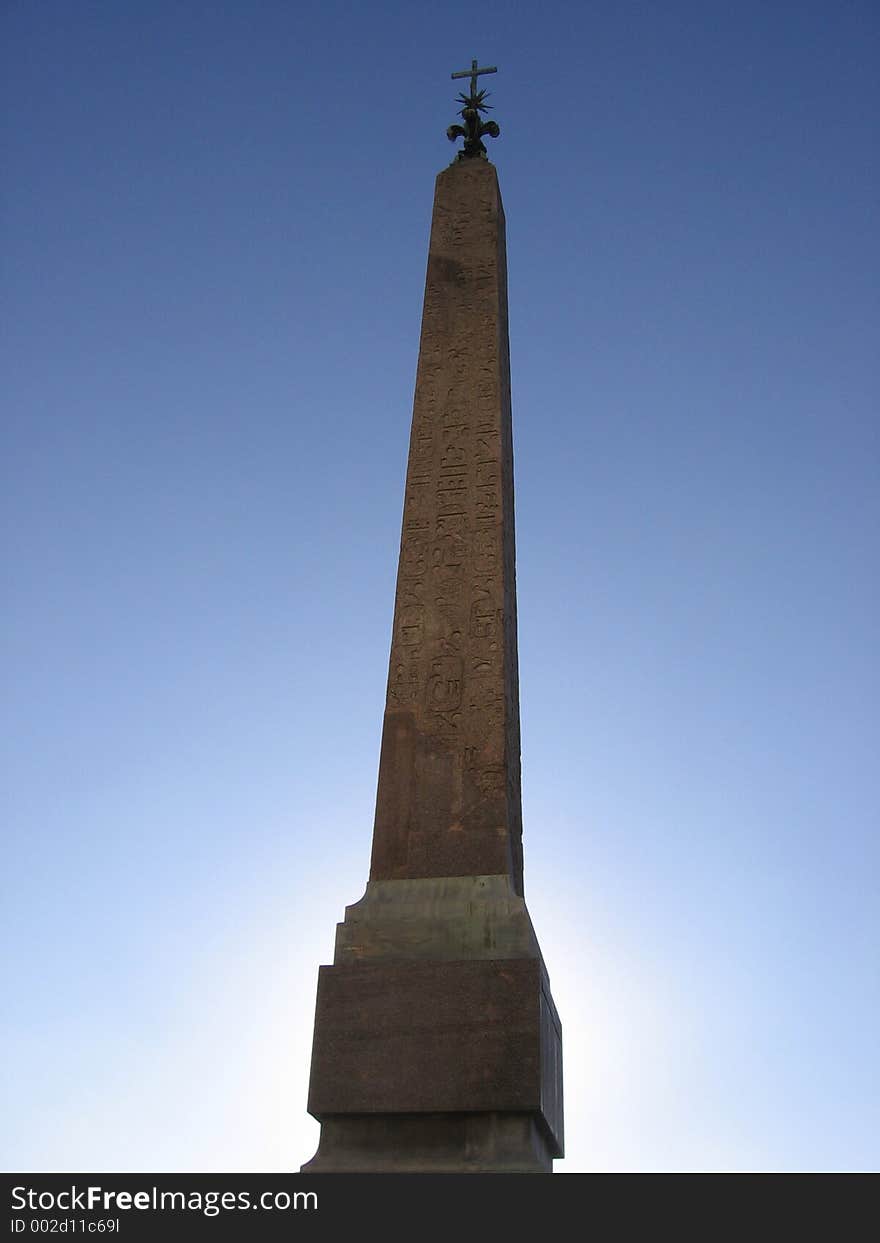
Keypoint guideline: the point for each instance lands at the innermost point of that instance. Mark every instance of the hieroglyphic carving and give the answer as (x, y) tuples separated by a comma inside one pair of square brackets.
[(403, 684), (452, 671), (444, 686), (410, 625)]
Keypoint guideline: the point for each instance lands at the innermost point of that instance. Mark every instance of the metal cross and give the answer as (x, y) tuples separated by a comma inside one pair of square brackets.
[(473, 73)]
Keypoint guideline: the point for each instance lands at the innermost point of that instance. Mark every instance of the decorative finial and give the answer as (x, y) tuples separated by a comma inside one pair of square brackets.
[(474, 128)]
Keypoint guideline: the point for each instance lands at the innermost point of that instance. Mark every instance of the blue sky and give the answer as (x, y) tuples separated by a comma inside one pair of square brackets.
[(215, 222)]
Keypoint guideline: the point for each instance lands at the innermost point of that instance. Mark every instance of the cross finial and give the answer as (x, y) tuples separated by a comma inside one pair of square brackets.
[(473, 73), (473, 104)]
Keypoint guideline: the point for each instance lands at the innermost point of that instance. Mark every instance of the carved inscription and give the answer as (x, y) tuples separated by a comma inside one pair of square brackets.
[(453, 656), (444, 687), (403, 686), (411, 625)]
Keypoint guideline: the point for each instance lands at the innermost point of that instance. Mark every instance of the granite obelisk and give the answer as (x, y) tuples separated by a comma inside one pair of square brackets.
[(437, 1045)]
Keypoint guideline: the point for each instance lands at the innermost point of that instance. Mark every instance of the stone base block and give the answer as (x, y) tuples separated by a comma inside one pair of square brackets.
[(451, 917), (475, 1044), (491, 1143)]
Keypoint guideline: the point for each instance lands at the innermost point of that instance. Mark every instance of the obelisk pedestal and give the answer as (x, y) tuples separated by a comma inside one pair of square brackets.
[(437, 1046)]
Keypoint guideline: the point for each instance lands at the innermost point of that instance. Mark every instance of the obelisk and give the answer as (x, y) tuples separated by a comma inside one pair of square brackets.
[(437, 1046)]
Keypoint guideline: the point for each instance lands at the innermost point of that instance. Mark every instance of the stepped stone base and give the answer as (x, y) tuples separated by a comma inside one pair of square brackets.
[(437, 1044)]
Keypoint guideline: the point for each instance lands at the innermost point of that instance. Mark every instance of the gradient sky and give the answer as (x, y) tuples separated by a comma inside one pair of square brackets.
[(214, 231)]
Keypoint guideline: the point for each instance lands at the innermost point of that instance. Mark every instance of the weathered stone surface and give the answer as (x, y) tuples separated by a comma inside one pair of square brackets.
[(487, 1143), (450, 918), (426, 1037), (449, 780)]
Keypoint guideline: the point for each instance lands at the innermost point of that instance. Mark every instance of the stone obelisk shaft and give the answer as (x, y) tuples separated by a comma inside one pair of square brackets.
[(449, 780), (437, 1045)]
